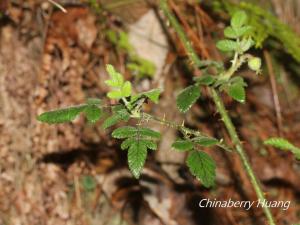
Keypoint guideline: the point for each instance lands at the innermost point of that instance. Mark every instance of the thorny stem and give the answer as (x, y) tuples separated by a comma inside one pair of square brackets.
[(125, 102), (221, 109), (237, 62), (239, 148), (183, 129)]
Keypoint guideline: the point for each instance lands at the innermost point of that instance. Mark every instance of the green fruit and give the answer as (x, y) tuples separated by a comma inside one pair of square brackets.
[(255, 64)]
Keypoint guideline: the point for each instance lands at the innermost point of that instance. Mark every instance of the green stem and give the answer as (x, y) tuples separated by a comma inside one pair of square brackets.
[(125, 102), (242, 154), (237, 62), (221, 109), (176, 126), (184, 130)]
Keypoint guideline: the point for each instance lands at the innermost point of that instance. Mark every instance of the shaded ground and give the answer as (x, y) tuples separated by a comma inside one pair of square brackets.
[(75, 174)]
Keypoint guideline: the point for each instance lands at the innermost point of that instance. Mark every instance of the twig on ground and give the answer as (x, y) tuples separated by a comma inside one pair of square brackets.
[(58, 6), (274, 91)]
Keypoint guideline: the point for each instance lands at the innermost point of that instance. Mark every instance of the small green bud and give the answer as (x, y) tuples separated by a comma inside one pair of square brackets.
[(255, 64)]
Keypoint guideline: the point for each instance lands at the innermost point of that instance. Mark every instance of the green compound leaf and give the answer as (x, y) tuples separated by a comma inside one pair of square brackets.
[(230, 32), (146, 132), (124, 132), (283, 144), (117, 79), (238, 19), (119, 109), (110, 121), (246, 44), (126, 89), (237, 92), (205, 141), (187, 97), (120, 114), (280, 143), (115, 94), (141, 132), (205, 80), (142, 137), (153, 95), (137, 154), (182, 145), (133, 140), (127, 143), (238, 80), (61, 115), (203, 167), (227, 45), (150, 144), (93, 113)]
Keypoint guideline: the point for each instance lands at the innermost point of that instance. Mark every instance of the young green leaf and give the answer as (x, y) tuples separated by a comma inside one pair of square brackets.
[(280, 143), (61, 115), (230, 32), (122, 113), (124, 132), (283, 144), (238, 19), (92, 113), (153, 95), (137, 154), (115, 94), (246, 44), (203, 167), (111, 83), (237, 92), (206, 141), (126, 89), (238, 80), (182, 145), (187, 97), (117, 79), (227, 45), (205, 80)]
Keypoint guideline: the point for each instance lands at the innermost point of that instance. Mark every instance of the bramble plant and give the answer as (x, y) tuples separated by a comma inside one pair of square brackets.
[(139, 139)]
